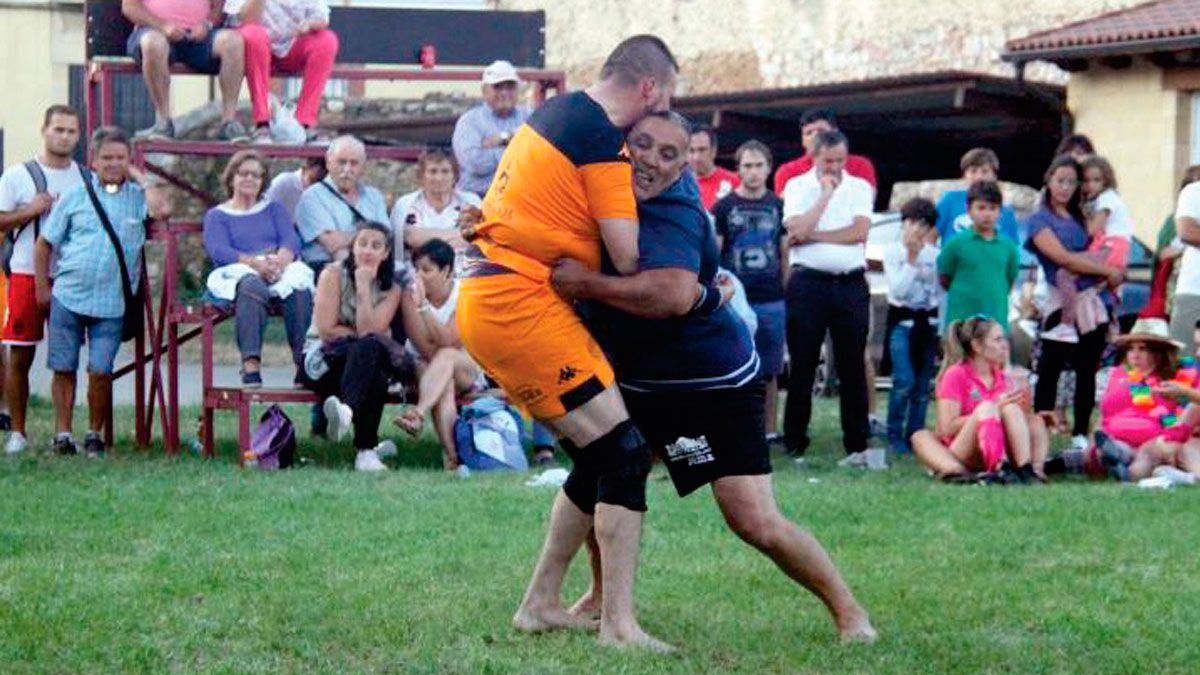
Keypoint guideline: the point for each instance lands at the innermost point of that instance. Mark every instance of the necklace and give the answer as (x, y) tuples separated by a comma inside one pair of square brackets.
[(1141, 391)]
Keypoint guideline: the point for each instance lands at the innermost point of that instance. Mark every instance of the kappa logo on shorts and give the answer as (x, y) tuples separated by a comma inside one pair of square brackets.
[(566, 374), (692, 451), (529, 394)]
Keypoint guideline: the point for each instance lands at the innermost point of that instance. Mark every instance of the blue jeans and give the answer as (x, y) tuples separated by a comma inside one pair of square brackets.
[(68, 331), (910, 385)]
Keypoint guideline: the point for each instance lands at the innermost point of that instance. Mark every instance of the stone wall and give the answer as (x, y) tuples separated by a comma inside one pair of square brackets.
[(724, 46)]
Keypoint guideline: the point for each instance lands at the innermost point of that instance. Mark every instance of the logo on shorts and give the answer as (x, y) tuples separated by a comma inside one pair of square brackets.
[(692, 451), (566, 374), (529, 394)]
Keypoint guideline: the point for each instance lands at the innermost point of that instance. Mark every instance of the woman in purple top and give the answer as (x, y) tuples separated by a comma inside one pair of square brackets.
[(257, 233), (1057, 236)]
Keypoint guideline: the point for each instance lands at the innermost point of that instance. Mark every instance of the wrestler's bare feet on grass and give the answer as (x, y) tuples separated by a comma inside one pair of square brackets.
[(634, 638), (528, 620), (856, 628)]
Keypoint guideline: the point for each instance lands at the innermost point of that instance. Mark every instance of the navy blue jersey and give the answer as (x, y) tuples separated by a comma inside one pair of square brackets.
[(752, 229), (682, 353)]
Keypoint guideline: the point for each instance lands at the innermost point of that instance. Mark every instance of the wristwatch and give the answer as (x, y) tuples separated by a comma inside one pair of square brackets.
[(505, 137)]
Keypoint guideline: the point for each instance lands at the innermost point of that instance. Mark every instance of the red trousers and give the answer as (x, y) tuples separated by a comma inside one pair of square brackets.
[(312, 56)]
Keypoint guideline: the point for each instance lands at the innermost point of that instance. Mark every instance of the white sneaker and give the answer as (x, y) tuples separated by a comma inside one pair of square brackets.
[(386, 448), (1079, 442), (1061, 333), (368, 460), (341, 419), (16, 443), (1176, 476), (1156, 483), (857, 459)]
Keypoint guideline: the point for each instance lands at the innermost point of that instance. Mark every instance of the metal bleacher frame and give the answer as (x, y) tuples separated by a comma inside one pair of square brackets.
[(464, 41)]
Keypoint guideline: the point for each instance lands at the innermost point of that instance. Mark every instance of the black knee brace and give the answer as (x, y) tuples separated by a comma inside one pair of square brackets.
[(623, 457), (581, 485)]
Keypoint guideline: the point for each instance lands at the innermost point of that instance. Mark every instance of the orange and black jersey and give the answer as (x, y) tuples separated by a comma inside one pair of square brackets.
[(563, 170)]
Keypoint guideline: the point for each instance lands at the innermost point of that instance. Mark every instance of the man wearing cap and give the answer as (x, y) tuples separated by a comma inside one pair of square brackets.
[(483, 132)]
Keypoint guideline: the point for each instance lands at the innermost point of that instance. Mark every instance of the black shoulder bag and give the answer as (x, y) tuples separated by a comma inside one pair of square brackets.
[(134, 320), (358, 216)]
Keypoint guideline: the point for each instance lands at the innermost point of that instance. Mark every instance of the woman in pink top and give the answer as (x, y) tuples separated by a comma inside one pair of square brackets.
[(981, 421), (1144, 418)]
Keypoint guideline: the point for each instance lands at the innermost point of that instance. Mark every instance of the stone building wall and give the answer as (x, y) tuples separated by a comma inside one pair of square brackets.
[(731, 46)]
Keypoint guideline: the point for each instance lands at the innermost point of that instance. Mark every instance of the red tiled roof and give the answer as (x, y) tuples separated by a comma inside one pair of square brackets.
[(1158, 20)]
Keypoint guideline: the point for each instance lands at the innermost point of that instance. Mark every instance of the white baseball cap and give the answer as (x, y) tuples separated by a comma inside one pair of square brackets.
[(500, 71)]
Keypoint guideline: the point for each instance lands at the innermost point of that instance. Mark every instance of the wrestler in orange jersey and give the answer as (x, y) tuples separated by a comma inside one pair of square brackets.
[(562, 188)]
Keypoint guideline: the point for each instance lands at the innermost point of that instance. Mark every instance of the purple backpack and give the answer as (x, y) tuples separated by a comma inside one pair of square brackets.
[(274, 441)]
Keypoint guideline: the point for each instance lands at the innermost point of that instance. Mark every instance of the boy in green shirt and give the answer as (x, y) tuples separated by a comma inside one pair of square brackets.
[(978, 268)]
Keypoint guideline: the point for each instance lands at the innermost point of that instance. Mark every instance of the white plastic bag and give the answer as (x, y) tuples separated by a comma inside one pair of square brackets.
[(285, 130)]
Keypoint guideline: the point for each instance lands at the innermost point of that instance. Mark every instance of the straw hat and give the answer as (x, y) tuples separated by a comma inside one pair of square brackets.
[(1149, 330)]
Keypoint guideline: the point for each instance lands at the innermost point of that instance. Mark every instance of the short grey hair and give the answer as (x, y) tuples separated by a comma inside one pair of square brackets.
[(346, 141)]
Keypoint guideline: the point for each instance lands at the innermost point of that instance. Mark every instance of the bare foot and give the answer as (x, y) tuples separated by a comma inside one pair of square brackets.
[(635, 639), (588, 605), (540, 621), (857, 629), (411, 421)]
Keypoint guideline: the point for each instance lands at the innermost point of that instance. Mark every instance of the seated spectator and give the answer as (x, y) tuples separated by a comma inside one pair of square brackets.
[(88, 300), (432, 212), (357, 359), (289, 186), (981, 421), (483, 132), (444, 369), (330, 210), (187, 32), (291, 36), (914, 294), (813, 123), (256, 252), (978, 165)]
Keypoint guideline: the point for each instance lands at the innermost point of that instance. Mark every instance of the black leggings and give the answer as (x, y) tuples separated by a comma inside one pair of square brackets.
[(359, 376), (1084, 359)]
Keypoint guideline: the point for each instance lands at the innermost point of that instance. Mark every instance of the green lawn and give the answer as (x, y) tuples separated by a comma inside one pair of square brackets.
[(147, 564)]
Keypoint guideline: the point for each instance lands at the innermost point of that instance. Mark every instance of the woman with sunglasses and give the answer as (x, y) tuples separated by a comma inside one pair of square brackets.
[(1058, 236)]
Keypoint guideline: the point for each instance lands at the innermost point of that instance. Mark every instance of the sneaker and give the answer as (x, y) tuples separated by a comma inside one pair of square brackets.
[(93, 445), (1079, 442), (163, 130), (251, 379), (774, 437), (1061, 333), (341, 419), (233, 132), (261, 136), (16, 443), (64, 444), (1156, 483), (1176, 476), (367, 460), (386, 448), (5, 421), (854, 459)]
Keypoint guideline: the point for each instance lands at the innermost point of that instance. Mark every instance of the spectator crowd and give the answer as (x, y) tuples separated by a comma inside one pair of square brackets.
[(367, 291)]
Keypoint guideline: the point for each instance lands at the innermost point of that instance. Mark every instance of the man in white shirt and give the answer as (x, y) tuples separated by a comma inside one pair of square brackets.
[(23, 209), (1187, 289), (827, 218)]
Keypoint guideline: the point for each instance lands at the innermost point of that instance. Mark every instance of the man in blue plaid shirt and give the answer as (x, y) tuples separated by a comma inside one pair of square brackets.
[(87, 297)]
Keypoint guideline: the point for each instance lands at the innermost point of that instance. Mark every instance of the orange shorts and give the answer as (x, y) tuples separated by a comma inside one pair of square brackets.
[(3, 295), (530, 341), (23, 322)]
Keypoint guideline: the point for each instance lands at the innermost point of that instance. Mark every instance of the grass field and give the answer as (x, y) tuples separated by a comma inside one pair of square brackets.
[(140, 563)]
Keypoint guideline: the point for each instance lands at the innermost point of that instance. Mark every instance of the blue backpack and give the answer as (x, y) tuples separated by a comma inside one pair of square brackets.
[(488, 433)]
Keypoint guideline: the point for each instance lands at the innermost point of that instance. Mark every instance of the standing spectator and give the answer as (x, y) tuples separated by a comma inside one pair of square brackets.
[(749, 224), (978, 165), (483, 132), (256, 236), (291, 36), (330, 210), (432, 211), (812, 123), (24, 209), (715, 182), (1168, 251), (977, 267), (1057, 235), (355, 305), (914, 295), (827, 215), (1078, 146), (187, 32), (87, 298), (1187, 290), (287, 188)]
